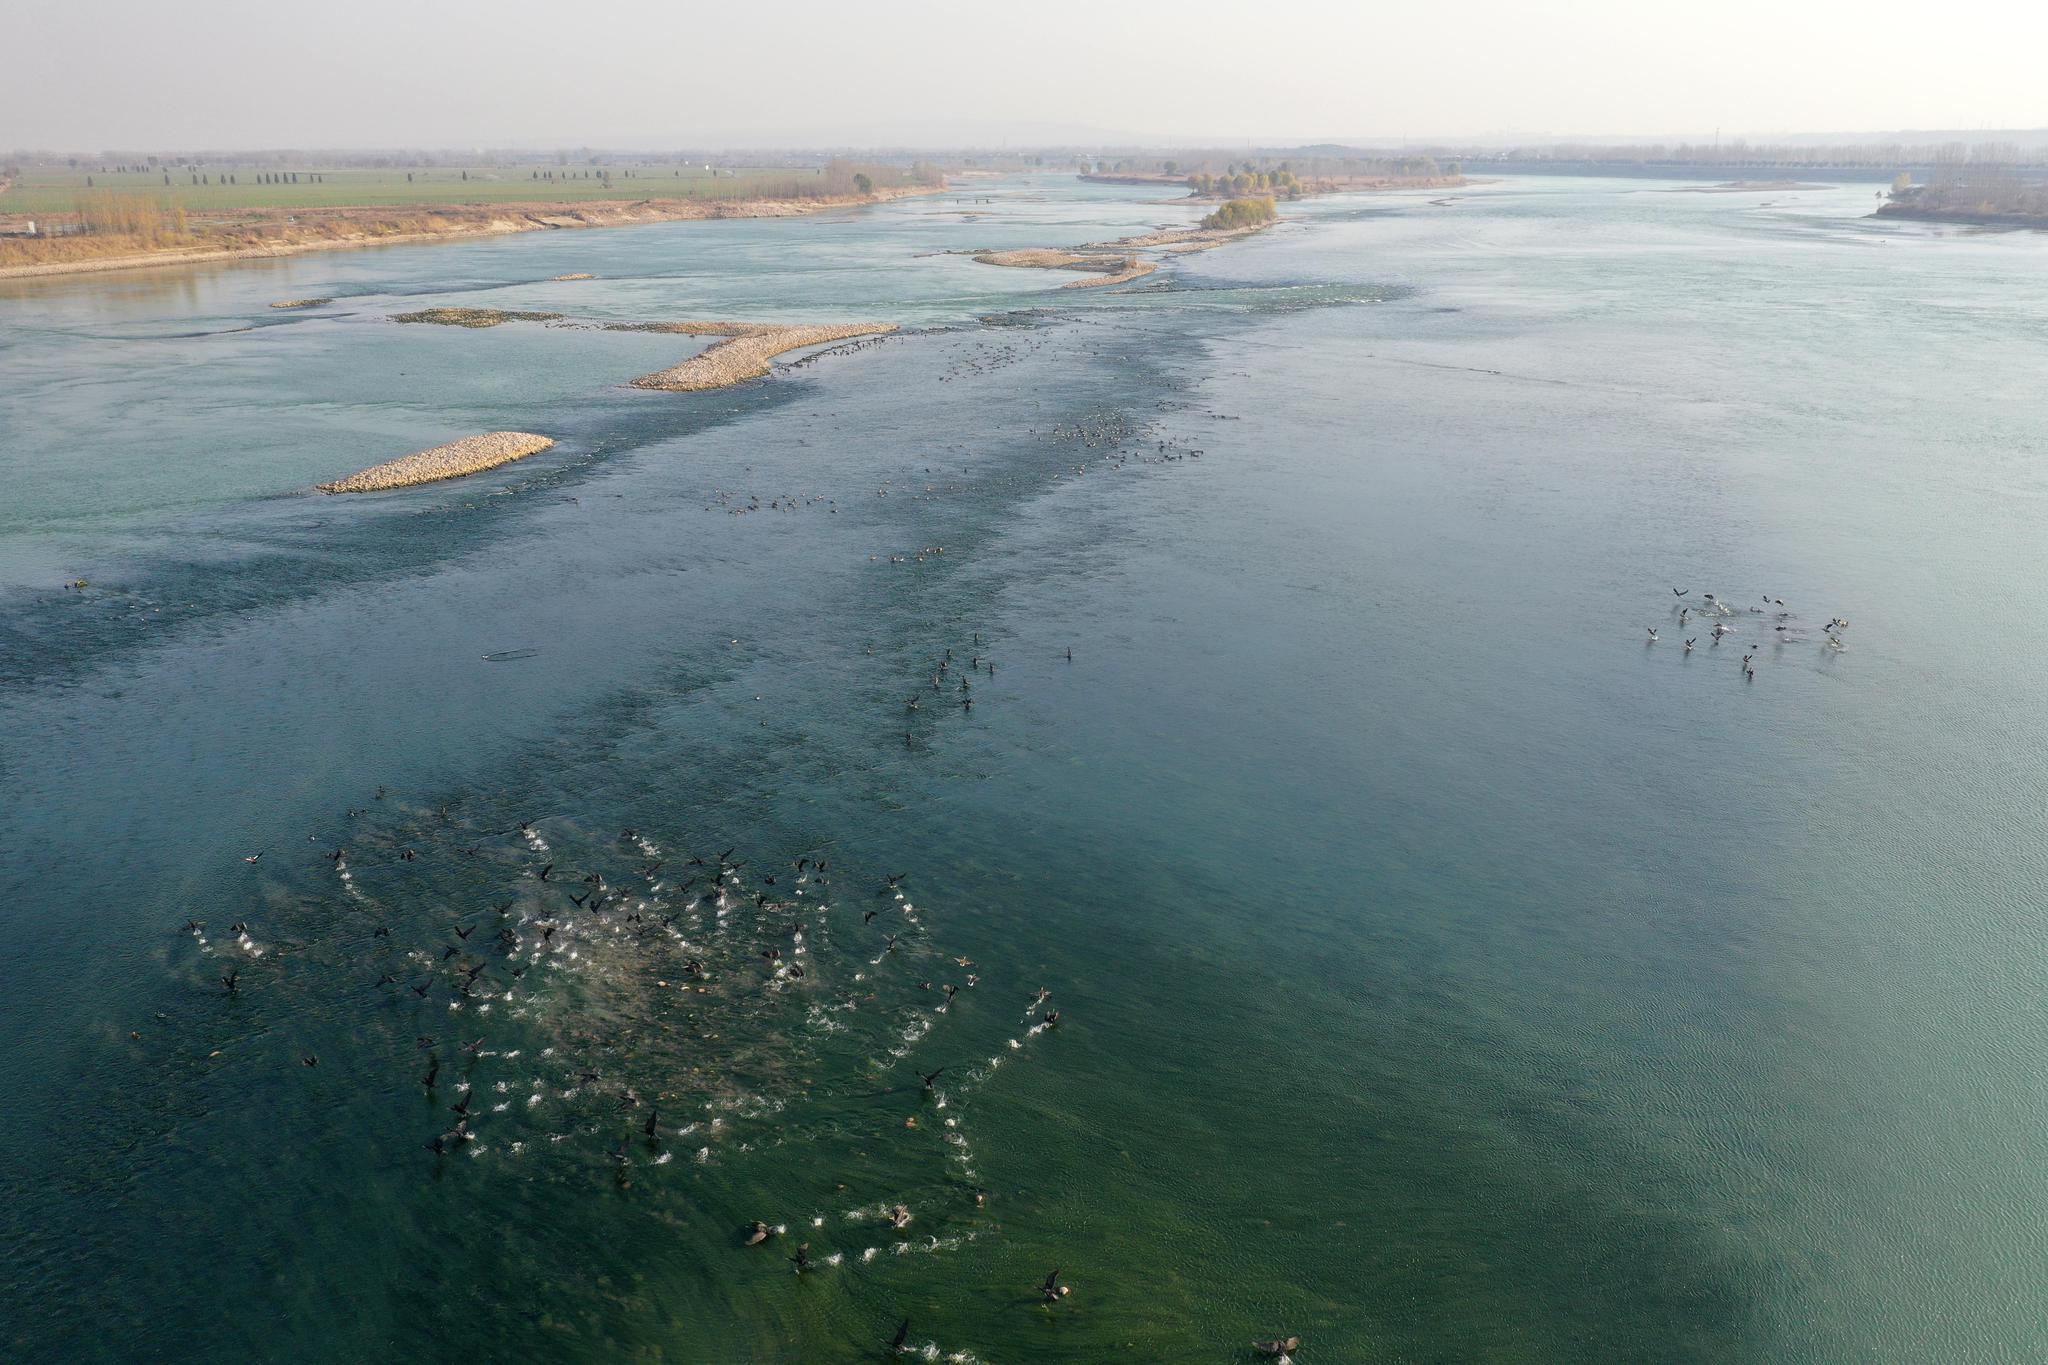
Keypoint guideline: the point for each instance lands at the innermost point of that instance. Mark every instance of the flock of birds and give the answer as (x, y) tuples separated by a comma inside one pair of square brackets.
[(641, 1006), (1718, 615)]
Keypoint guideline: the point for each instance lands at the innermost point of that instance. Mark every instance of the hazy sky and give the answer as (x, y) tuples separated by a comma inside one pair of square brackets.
[(142, 74)]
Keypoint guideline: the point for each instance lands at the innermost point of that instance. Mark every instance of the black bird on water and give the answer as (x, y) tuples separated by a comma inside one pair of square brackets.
[(454, 1137), (653, 1117), (928, 1079), (1052, 1290), (802, 1259), (896, 1343), (230, 979)]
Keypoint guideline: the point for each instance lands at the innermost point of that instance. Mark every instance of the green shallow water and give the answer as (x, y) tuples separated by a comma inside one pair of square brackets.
[(1443, 971)]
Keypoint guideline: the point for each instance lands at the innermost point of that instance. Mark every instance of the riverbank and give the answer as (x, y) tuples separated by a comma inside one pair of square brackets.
[(471, 455), (260, 236), (743, 355)]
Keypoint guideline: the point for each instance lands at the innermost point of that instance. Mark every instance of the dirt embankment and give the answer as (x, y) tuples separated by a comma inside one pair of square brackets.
[(257, 234)]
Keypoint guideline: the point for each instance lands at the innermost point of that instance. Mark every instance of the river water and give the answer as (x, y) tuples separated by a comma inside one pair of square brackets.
[(1443, 969)]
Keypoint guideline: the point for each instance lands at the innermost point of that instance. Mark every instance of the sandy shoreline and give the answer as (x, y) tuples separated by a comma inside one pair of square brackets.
[(358, 227), (471, 455), (743, 355)]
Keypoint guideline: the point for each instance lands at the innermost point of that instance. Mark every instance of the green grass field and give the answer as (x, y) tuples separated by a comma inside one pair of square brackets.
[(48, 190)]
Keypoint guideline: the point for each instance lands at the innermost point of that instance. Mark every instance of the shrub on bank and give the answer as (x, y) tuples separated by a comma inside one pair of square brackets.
[(1242, 213)]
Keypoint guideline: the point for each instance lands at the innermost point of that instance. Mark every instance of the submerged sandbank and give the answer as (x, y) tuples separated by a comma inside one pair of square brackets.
[(743, 355), (1179, 240), (471, 455), (472, 317), (1112, 269), (1749, 186), (301, 303), (1116, 262)]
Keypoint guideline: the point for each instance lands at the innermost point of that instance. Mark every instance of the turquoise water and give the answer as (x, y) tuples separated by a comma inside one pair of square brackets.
[(1443, 971)]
